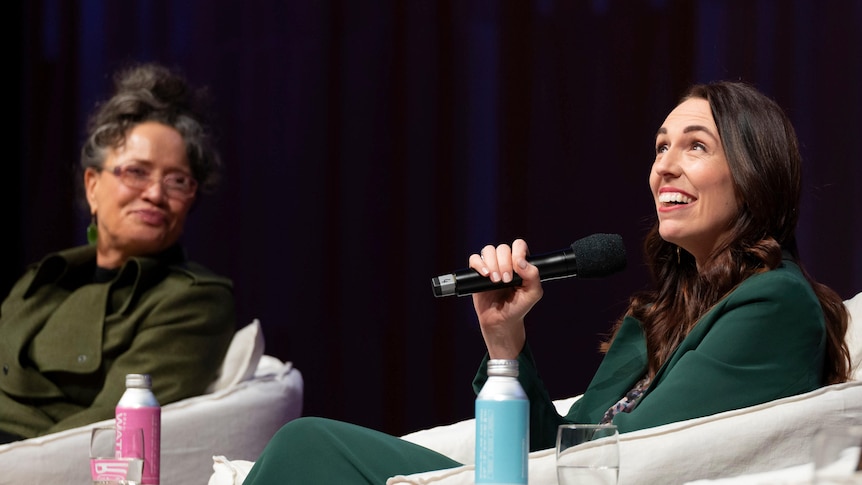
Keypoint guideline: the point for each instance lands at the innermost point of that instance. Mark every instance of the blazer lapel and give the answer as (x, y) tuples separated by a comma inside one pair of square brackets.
[(623, 366)]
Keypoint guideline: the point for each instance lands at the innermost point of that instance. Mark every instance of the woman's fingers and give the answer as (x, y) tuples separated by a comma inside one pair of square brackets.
[(493, 262), (501, 263), (525, 270), (504, 264)]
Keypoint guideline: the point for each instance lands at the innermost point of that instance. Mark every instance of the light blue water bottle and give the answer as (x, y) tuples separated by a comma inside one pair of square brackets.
[(502, 426)]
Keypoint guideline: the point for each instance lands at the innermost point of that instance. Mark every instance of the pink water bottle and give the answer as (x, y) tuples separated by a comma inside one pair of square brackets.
[(138, 408)]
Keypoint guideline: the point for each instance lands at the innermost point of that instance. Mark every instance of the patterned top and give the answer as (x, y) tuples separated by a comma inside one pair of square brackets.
[(628, 402)]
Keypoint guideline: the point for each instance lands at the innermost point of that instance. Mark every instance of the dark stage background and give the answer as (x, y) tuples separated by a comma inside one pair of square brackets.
[(372, 145)]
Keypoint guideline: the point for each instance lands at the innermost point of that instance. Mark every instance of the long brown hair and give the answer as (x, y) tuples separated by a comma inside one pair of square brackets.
[(764, 160)]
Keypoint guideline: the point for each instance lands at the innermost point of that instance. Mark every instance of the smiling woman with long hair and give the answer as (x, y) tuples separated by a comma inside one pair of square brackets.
[(732, 319)]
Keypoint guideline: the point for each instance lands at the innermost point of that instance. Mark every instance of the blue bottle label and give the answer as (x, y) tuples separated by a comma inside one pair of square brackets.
[(502, 441)]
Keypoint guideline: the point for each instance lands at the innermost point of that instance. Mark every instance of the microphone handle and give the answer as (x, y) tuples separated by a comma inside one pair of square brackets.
[(558, 264)]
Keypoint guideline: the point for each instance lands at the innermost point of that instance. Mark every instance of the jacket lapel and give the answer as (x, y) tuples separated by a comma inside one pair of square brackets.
[(623, 366)]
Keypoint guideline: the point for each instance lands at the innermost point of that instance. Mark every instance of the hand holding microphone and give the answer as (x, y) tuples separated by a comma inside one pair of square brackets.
[(594, 256), (501, 315)]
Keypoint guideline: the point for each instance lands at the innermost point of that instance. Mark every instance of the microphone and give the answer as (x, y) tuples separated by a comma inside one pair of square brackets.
[(594, 256)]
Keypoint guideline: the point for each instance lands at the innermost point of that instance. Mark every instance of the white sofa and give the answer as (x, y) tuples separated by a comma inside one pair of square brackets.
[(252, 398), (762, 438), (769, 436)]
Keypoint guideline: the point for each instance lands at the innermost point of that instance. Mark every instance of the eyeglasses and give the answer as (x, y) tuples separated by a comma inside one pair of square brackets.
[(178, 185)]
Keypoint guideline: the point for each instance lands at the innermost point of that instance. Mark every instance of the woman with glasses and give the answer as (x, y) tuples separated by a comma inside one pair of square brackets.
[(129, 302)]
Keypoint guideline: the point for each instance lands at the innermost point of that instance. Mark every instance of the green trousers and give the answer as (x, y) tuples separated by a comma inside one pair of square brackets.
[(313, 451)]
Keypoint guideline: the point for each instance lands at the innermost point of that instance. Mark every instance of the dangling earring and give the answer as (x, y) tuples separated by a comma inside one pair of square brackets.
[(92, 230), (677, 256)]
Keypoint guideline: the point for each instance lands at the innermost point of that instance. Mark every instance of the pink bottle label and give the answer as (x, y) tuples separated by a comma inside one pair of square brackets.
[(149, 420)]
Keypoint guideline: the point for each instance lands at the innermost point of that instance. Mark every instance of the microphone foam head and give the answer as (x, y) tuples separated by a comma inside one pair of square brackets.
[(599, 255)]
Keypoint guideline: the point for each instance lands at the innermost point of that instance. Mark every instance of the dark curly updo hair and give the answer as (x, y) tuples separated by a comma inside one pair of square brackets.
[(149, 92)]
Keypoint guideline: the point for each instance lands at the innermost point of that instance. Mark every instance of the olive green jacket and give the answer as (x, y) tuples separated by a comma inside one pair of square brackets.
[(67, 343), (765, 340)]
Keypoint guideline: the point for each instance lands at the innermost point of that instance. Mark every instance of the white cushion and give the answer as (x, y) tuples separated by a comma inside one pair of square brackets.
[(795, 475), (242, 357), (227, 472)]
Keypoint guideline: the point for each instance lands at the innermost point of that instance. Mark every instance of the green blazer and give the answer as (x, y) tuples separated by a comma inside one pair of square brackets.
[(763, 341), (66, 343)]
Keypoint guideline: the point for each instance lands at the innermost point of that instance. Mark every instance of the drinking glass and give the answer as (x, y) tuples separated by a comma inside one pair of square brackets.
[(588, 454), (108, 469), (837, 457)]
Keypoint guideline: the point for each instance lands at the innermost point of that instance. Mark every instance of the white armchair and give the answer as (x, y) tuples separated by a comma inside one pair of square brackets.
[(766, 437), (770, 436), (252, 398)]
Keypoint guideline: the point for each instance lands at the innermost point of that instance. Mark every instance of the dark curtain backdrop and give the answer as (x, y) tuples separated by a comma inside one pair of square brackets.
[(372, 145)]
